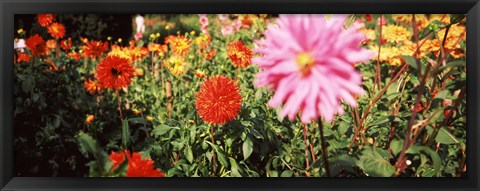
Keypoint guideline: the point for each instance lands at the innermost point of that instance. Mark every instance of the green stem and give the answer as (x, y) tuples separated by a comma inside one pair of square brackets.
[(326, 163)]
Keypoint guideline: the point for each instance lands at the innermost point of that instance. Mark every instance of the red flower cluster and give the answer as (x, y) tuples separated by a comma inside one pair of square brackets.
[(218, 100), (137, 167), (240, 54)]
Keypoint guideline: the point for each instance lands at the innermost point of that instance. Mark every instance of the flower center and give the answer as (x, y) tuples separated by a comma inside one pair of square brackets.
[(115, 72), (305, 63)]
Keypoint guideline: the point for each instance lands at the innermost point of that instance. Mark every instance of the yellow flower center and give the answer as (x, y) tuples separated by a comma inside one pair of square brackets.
[(305, 63)]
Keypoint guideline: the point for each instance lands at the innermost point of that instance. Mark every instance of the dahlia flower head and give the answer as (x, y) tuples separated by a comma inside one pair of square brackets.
[(309, 61)]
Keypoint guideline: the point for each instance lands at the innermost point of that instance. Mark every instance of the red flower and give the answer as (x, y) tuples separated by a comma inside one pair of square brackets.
[(240, 54), (56, 30), (368, 17), (36, 44), (115, 72), (66, 44), (45, 19), (137, 167), (22, 57), (94, 49), (218, 100)]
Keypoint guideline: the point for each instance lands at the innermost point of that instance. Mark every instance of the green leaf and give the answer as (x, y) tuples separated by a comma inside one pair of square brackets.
[(138, 120), (188, 153), (287, 173), (437, 162), (374, 163), (442, 95), (396, 146), (221, 158), (443, 136), (341, 161), (411, 61), (453, 64), (125, 134), (456, 18), (247, 148), (162, 129)]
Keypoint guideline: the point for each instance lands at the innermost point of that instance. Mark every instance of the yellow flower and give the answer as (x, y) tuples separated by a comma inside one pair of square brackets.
[(150, 119), (157, 35), (396, 34), (138, 72), (20, 31), (120, 40), (109, 38), (192, 33), (406, 18), (152, 36), (135, 111), (176, 65)]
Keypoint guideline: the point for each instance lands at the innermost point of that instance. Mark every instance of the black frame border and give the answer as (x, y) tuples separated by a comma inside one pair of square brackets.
[(8, 181)]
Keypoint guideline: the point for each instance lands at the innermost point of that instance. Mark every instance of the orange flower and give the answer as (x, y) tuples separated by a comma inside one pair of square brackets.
[(57, 30), (179, 44), (246, 21), (218, 100), (115, 72), (209, 55), (160, 49), (66, 44), (22, 57), (74, 55), (51, 44), (92, 86), (89, 119), (94, 49), (240, 54), (137, 167), (199, 73), (36, 44), (138, 72), (45, 19)]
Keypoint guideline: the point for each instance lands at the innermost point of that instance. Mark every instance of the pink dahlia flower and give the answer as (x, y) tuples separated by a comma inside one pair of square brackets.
[(203, 20), (309, 61)]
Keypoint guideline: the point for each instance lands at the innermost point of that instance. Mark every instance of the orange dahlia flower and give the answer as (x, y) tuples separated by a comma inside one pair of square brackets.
[(115, 72), (45, 19), (137, 167), (92, 86), (240, 54), (218, 100), (56, 30), (179, 44)]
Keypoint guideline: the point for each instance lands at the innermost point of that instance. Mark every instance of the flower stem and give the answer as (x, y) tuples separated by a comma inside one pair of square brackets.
[(377, 70), (214, 168), (119, 105), (324, 148)]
